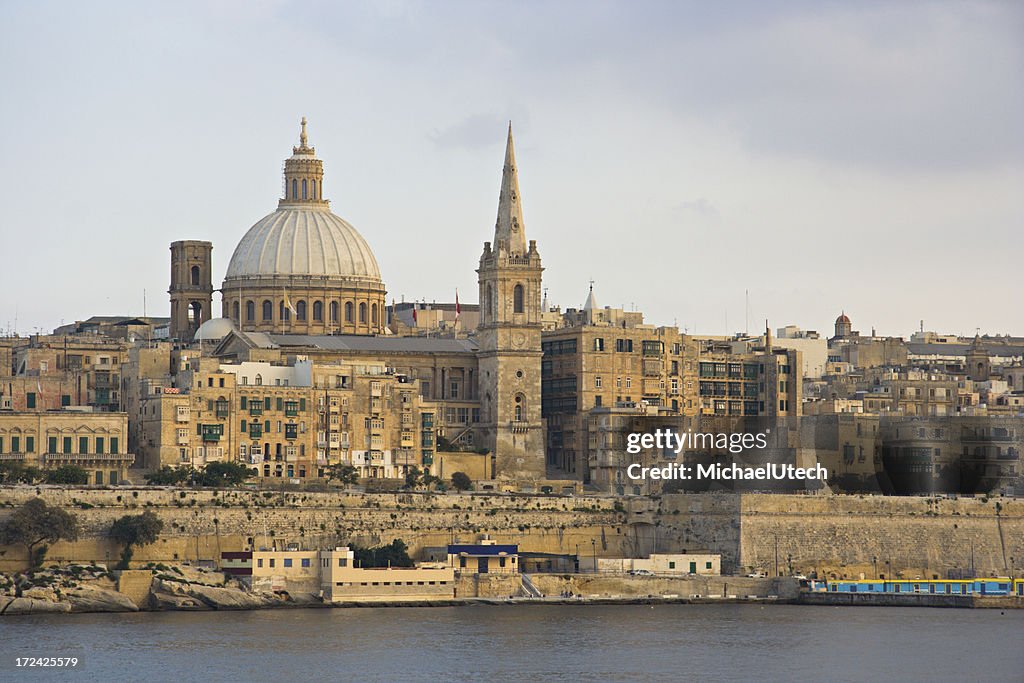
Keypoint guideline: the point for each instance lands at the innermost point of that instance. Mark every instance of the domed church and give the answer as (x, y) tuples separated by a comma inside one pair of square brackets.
[(302, 269)]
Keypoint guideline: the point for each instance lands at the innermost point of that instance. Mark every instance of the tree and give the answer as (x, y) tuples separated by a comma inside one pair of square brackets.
[(223, 474), (13, 472), (345, 474), (168, 476), (35, 523), (67, 474), (461, 481), (395, 554), (412, 477), (135, 530)]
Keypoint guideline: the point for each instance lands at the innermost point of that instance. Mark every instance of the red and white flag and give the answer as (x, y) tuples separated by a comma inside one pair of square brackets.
[(458, 309), (414, 306)]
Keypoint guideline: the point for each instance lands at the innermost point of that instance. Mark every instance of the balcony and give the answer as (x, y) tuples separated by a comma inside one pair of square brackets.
[(519, 426), (18, 457), (88, 457)]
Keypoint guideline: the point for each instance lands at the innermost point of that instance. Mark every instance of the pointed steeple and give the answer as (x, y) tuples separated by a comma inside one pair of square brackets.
[(591, 302), (509, 230)]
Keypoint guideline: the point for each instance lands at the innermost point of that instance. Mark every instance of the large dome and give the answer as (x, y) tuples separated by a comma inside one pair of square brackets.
[(293, 241)]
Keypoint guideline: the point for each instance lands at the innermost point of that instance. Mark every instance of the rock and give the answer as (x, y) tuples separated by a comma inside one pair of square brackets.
[(214, 597), (40, 593), (92, 599), (11, 606)]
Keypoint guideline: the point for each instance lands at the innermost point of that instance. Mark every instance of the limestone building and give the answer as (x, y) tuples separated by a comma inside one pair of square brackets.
[(95, 442)]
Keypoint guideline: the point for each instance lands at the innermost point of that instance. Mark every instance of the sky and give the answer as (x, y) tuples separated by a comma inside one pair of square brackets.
[(707, 163)]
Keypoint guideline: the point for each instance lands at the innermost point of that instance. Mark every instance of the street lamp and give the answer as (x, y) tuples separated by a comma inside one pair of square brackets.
[(874, 561), (593, 546)]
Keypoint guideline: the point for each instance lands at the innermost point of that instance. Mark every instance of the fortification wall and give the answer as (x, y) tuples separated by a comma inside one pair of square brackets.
[(839, 535), (853, 535)]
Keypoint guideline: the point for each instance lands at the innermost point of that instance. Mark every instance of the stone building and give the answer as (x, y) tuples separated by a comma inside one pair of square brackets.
[(287, 421), (96, 442)]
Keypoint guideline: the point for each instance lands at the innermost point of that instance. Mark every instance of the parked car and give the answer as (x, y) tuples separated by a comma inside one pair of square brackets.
[(640, 572), (757, 575)]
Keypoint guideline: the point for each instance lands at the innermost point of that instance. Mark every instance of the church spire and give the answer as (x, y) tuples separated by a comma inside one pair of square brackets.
[(509, 230)]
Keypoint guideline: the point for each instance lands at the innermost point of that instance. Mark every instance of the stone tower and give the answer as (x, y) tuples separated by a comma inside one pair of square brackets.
[(844, 328), (191, 287), (977, 362), (509, 337)]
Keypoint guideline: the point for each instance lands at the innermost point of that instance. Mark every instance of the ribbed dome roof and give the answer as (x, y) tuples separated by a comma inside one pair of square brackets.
[(294, 241)]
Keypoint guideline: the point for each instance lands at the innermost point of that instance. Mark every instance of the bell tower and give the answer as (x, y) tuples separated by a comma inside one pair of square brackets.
[(509, 335), (191, 287)]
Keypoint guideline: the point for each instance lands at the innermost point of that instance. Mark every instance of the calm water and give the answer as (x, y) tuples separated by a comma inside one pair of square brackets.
[(529, 643)]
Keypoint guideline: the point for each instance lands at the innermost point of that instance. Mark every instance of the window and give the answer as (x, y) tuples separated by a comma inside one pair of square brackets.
[(51, 444), (300, 310), (373, 314), (598, 344), (66, 446), (30, 444), (517, 299), (362, 313), (30, 400), (348, 311), (250, 310), (624, 345), (597, 382), (272, 562), (287, 562), (83, 444), (113, 445), (312, 189), (195, 276), (286, 313), (259, 562), (334, 311), (268, 310), (318, 311), (295, 189), (305, 562)]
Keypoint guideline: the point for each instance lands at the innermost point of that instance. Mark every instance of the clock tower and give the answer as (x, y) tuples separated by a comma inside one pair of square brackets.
[(509, 337)]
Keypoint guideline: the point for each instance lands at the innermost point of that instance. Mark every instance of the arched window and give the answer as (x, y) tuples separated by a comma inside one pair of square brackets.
[(304, 188), (250, 310), (362, 312), (348, 311), (286, 313), (373, 313), (268, 310), (234, 310), (489, 304), (300, 310), (312, 189), (318, 311), (517, 299), (519, 407), (195, 276), (259, 380), (295, 189), (334, 311)]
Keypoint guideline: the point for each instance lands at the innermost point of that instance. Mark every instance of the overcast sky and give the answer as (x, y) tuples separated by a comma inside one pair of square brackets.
[(866, 157)]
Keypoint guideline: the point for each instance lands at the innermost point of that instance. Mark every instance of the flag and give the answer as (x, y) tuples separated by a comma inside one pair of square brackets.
[(458, 309), (414, 316), (288, 302)]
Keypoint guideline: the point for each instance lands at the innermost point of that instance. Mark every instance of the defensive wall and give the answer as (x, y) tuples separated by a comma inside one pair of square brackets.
[(840, 535)]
